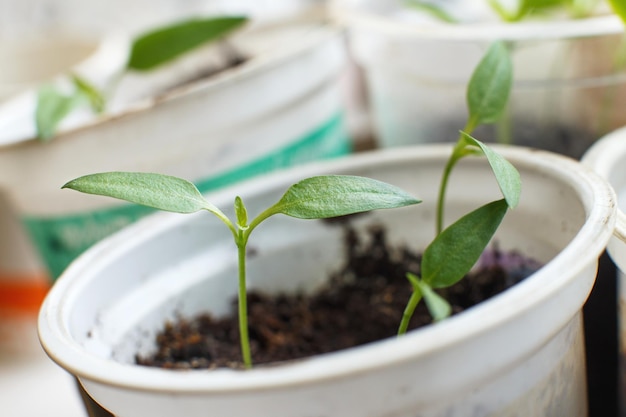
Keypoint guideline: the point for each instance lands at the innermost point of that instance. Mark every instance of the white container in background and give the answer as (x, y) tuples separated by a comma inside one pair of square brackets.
[(281, 107), (608, 158), (568, 89), (519, 353), (28, 61)]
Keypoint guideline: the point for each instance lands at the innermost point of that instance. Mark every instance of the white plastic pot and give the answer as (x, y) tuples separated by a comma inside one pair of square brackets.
[(567, 88), (30, 60), (608, 158), (519, 353), (282, 107)]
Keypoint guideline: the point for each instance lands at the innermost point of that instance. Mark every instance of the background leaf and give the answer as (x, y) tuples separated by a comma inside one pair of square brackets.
[(165, 44), (95, 97), (337, 195), (457, 248), (489, 88), (52, 108), (619, 7), (162, 192), (431, 9), (506, 174)]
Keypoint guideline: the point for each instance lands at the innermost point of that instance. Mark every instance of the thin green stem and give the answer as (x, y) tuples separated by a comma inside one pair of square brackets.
[(504, 128), (443, 185), (416, 296), (243, 302), (457, 154)]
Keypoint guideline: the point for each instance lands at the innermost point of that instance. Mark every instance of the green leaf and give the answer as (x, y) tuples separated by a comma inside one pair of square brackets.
[(162, 192), (431, 9), (337, 195), (241, 212), (456, 249), (503, 13), (95, 97), (506, 174), (438, 307), (165, 44), (489, 88), (619, 7), (52, 108)]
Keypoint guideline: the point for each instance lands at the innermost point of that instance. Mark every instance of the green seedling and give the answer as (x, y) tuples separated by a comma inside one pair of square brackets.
[(148, 52), (313, 198), (456, 249)]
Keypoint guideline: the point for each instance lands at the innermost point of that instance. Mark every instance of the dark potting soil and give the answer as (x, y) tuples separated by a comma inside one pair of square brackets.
[(363, 303)]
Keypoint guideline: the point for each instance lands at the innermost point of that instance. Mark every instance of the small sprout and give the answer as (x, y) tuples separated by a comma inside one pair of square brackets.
[(148, 52), (312, 198), (454, 251)]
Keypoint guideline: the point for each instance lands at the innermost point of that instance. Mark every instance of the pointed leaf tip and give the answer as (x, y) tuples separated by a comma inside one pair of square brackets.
[(507, 176)]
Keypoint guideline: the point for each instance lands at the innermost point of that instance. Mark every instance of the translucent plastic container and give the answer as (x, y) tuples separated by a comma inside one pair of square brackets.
[(518, 353), (568, 89)]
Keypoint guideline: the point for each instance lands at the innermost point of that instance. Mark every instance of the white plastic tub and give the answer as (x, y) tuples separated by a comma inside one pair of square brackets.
[(519, 353), (28, 61)]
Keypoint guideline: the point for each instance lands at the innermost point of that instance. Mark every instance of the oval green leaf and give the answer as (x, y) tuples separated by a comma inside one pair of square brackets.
[(456, 249), (338, 195), (158, 191), (506, 174), (163, 45), (489, 88)]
